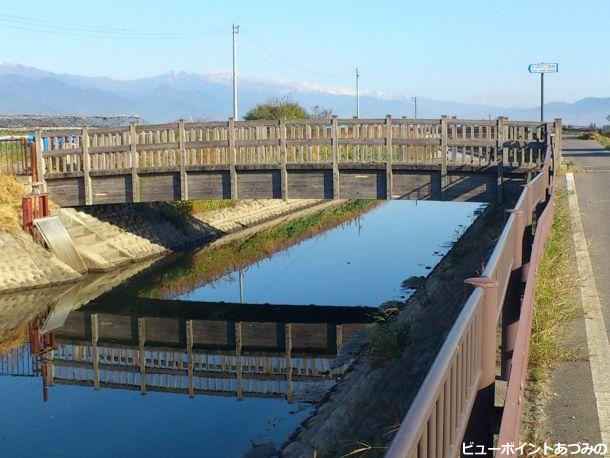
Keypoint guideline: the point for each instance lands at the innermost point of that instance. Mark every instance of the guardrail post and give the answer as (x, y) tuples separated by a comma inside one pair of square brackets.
[(388, 147), (444, 151), (334, 133), (283, 159), (232, 158), (135, 180), (480, 428), (511, 309), (39, 158), (184, 187), (86, 166)]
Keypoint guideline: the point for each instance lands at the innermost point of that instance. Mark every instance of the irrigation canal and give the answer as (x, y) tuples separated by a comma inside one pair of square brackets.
[(230, 345)]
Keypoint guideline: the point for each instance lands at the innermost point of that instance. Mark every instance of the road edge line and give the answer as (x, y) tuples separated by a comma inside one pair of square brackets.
[(597, 338)]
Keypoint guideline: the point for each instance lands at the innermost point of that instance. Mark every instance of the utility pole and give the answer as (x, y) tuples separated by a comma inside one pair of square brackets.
[(357, 93), (414, 107), (235, 32)]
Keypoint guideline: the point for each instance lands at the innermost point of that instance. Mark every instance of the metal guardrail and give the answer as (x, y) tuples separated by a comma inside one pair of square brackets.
[(457, 395)]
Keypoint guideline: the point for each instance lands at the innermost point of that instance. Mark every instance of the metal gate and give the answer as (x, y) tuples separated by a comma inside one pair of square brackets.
[(15, 156)]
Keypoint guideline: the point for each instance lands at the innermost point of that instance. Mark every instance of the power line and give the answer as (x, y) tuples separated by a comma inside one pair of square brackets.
[(58, 28), (287, 62)]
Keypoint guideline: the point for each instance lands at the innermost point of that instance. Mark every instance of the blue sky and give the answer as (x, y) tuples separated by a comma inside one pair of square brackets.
[(475, 51)]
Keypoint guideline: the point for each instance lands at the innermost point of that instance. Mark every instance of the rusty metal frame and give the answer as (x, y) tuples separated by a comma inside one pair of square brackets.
[(457, 395)]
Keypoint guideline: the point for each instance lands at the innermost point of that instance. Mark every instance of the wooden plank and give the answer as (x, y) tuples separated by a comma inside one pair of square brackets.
[(416, 185), (310, 184), (254, 184), (232, 159), (444, 151), (501, 155), (86, 166), (184, 193), (159, 187), (283, 159), (112, 189), (135, 180), (67, 192), (389, 154), (363, 184), (209, 185), (335, 157)]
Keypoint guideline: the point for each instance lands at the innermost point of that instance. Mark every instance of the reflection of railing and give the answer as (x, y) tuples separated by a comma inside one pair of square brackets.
[(18, 361), (457, 395), (204, 357)]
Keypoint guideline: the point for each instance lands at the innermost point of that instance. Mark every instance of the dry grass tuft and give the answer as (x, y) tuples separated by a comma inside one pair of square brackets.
[(555, 303), (11, 192)]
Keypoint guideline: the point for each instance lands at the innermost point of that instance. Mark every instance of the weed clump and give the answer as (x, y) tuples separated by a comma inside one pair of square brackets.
[(11, 192), (390, 336)]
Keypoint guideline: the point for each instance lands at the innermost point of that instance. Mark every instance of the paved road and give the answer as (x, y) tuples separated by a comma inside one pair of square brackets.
[(593, 190), (572, 409)]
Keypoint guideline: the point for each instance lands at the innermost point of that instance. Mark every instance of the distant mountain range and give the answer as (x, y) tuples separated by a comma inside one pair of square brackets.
[(176, 95)]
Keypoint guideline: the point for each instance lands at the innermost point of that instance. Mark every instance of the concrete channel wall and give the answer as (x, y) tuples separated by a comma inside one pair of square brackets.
[(107, 237)]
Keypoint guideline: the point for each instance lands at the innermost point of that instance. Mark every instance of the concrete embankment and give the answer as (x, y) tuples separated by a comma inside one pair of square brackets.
[(107, 237)]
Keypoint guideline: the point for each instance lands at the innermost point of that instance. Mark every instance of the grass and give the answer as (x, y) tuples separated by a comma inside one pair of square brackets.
[(388, 340), (555, 304), (11, 192), (179, 212), (211, 264), (603, 139)]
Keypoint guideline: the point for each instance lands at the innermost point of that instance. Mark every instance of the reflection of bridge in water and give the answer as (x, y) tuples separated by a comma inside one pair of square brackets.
[(200, 348)]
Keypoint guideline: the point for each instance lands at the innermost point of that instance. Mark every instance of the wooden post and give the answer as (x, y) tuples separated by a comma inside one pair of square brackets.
[(232, 158), (238, 362), (389, 151), (95, 351), (283, 159), (334, 134), (142, 353), (444, 151), (184, 188), (39, 158), (189, 358), (135, 180), (288, 360), (501, 156), (86, 166), (558, 145)]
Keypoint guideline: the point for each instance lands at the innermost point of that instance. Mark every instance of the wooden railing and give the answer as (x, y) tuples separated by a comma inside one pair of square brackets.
[(457, 395), (284, 159), (476, 142)]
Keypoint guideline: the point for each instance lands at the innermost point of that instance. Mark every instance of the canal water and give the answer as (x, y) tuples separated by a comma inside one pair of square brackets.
[(218, 353)]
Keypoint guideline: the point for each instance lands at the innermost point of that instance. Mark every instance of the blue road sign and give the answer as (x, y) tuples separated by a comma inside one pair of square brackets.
[(543, 68)]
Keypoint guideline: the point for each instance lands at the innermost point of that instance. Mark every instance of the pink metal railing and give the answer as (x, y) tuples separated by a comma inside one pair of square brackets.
[(457, 395)]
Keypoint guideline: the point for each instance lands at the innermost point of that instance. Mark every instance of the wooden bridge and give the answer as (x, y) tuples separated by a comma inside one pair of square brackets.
[(434, 159)]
